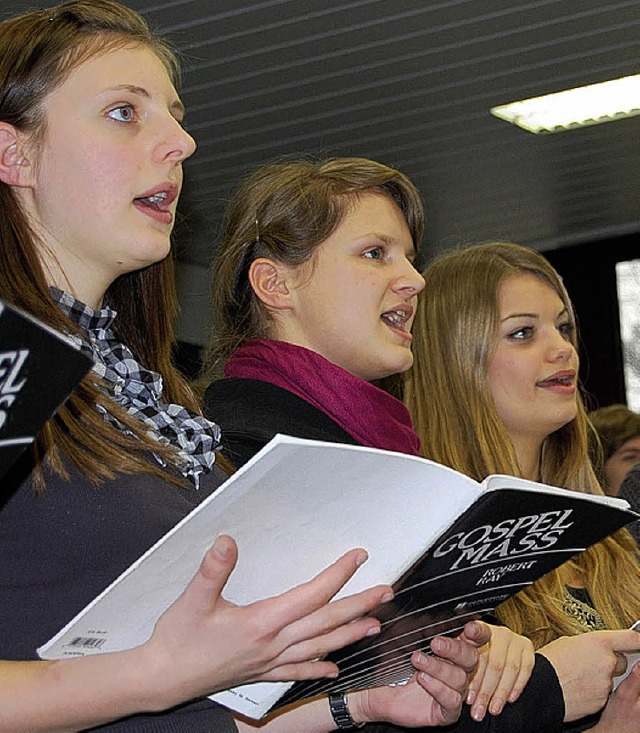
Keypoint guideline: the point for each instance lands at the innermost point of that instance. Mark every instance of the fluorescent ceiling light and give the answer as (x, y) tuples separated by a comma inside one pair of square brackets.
[(589, 105)]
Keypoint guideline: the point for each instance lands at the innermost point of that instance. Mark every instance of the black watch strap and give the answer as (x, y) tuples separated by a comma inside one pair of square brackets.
[(340, 712)]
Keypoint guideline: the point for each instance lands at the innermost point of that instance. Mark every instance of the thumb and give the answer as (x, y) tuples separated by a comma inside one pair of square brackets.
[(205, 589), (476, 633), (625, 641)]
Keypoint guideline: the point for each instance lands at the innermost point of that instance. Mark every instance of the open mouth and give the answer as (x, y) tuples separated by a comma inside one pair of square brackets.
[(157, 201), (397, 319), (561, 380)]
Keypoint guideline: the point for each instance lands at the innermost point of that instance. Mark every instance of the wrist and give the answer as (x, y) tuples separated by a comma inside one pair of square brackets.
[(156, 685), (346, 711)]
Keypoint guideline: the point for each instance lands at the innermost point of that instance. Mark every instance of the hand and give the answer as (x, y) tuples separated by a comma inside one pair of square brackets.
[(203, 643), (435, 694), (504, 668), (622, 713), (586, 665)]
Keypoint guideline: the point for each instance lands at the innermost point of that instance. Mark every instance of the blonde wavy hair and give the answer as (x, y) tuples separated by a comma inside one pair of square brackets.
[(455, 334)]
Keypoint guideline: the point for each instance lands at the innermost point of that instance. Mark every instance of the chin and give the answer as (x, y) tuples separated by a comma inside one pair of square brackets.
[(151, 254)]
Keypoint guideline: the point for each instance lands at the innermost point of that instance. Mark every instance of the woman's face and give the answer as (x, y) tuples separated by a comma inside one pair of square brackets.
[(620, 463), (355, 302), (105, 182), (533, 372)]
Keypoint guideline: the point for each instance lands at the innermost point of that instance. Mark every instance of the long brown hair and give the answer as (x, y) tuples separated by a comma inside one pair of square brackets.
[(38, 50), (284, 211), (455, 333)]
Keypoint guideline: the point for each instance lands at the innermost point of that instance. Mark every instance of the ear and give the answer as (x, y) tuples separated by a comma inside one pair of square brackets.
[(15, 169), (270, 283)]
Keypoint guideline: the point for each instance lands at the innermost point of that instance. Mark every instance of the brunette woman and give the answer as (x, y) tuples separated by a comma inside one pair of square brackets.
[(91, 153)]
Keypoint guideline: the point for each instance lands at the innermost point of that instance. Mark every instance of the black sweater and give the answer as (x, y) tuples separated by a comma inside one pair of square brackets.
[(250, 413)]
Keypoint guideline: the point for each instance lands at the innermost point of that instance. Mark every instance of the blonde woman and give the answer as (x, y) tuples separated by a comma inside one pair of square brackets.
[(494, 389)]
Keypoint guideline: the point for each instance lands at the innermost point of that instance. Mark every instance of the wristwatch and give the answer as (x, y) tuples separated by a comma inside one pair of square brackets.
[(340, 712)]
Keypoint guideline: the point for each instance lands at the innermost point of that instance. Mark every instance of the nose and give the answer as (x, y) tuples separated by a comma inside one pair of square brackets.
[(408, 280), (561, 350), (177, 144)]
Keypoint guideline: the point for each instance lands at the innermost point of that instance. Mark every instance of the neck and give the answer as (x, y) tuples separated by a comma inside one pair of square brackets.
[(87, 290), (529, 455)]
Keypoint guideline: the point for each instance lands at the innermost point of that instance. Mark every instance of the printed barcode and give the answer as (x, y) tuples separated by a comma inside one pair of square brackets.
[(87, 642)]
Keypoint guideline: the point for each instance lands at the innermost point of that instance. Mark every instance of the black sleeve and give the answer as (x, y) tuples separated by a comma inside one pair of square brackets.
[(539, 709)]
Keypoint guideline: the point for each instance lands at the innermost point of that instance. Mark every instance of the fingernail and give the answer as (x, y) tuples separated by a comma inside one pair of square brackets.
[(471, 696), (438, 644), (362, 558), (221, 546), (477, 713), (421, 658), (373, 631), (496, 707), (389, 596)]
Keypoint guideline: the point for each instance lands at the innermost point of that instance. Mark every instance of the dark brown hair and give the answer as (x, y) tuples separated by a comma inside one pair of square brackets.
[(38, 50), (284, 211)]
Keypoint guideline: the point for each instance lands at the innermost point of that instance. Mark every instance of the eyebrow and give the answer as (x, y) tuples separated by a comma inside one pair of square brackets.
[(176, 107), (535, 316), (413, 252)]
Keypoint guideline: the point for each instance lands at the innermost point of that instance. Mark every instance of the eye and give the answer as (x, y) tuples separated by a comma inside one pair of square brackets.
[(375, 253), (567, 330), (521, 334), (632, 457), (122, 113)]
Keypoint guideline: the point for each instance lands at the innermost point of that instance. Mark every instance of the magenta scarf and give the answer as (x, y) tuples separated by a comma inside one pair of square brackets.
[(370, 415)]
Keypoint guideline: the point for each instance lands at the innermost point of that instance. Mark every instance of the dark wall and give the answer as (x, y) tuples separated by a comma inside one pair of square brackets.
[(588, 271)]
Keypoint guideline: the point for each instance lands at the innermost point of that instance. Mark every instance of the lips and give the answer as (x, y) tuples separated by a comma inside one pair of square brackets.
[(560, 381), (159, 198), (157, 201), (399, 319)]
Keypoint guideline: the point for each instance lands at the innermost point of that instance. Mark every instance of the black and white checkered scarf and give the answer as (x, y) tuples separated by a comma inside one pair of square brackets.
[(139, 390)]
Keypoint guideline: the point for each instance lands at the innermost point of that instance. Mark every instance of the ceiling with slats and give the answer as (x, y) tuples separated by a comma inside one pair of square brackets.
[(410, 83)]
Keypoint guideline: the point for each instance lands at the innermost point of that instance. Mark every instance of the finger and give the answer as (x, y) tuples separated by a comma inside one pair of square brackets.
[(450, 674), (477, 633), (621, 664), (205, 589), (307, 670), (505, 680), (623, 641), (476, 677), (495, 657), (526, 668), (456, 652), (629, 688), (321, 645), (445, 682), (308, 597), (334, 616)]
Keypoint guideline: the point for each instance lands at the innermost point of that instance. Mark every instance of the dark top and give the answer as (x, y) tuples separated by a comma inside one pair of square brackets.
[(60, 548), (630, 490), (250, 413)]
